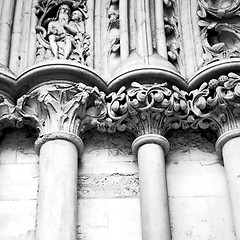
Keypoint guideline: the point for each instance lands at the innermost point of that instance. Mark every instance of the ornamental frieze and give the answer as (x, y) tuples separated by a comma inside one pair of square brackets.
[(141, 108)]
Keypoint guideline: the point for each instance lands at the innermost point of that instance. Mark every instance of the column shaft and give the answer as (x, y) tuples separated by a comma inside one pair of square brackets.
[(231, 157), (57, 197), (153, 192)]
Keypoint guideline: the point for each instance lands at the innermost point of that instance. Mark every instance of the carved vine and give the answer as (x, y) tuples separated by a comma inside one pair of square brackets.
[(143, 109), (220, 29), (61, 31), (217, 103), (172, 32)]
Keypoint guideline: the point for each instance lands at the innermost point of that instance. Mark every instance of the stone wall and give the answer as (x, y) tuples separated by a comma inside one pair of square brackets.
[(18, 185), (108, 192)]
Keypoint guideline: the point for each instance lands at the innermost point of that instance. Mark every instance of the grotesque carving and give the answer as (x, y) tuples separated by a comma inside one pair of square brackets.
[(61, 31), (220, 29)]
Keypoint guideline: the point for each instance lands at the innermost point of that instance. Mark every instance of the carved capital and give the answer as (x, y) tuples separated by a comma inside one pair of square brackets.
[(217, 103), (146, 109), (8, 117), (60, 107)]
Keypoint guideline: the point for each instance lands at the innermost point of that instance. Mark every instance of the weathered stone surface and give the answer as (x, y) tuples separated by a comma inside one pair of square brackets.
[(17, 146), (115, 185), (107, 153)]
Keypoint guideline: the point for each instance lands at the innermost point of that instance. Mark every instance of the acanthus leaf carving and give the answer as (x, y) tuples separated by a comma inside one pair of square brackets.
[(63, 107)]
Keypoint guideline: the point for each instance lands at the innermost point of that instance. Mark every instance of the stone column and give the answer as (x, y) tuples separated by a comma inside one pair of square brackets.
[(61, 111), (150, 150), (148, 111), (230, 145), (57, 196), (216, 105)]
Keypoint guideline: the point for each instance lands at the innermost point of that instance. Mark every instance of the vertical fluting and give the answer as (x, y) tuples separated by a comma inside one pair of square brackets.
[(160, 29), (6, 21), (24, 42), (124, 31), (32, 35), (16, 37), (97, 38), (90, 31)]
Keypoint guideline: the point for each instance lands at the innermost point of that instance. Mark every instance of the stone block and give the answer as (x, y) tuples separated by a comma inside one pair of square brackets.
[(201, 218), (17, 219), (109, 219), (108, 186), (196, 178), (18, 181)]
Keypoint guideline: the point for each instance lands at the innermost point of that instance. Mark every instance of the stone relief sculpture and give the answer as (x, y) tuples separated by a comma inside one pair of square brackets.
[(61, 31), (172, 32), (220, 29), (113, 30)]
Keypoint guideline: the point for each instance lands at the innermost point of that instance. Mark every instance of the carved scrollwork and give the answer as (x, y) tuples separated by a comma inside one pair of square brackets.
[(219, 8), (63, 107), (61, 31), (144, 109), (220, 29), (217, 103)]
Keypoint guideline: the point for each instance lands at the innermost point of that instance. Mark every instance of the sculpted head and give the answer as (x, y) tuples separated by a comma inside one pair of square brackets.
[(63, 11)]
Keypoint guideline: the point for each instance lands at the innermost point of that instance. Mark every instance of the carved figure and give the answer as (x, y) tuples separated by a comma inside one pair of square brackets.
[(62, 34), (59, 32), (77, 27)]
